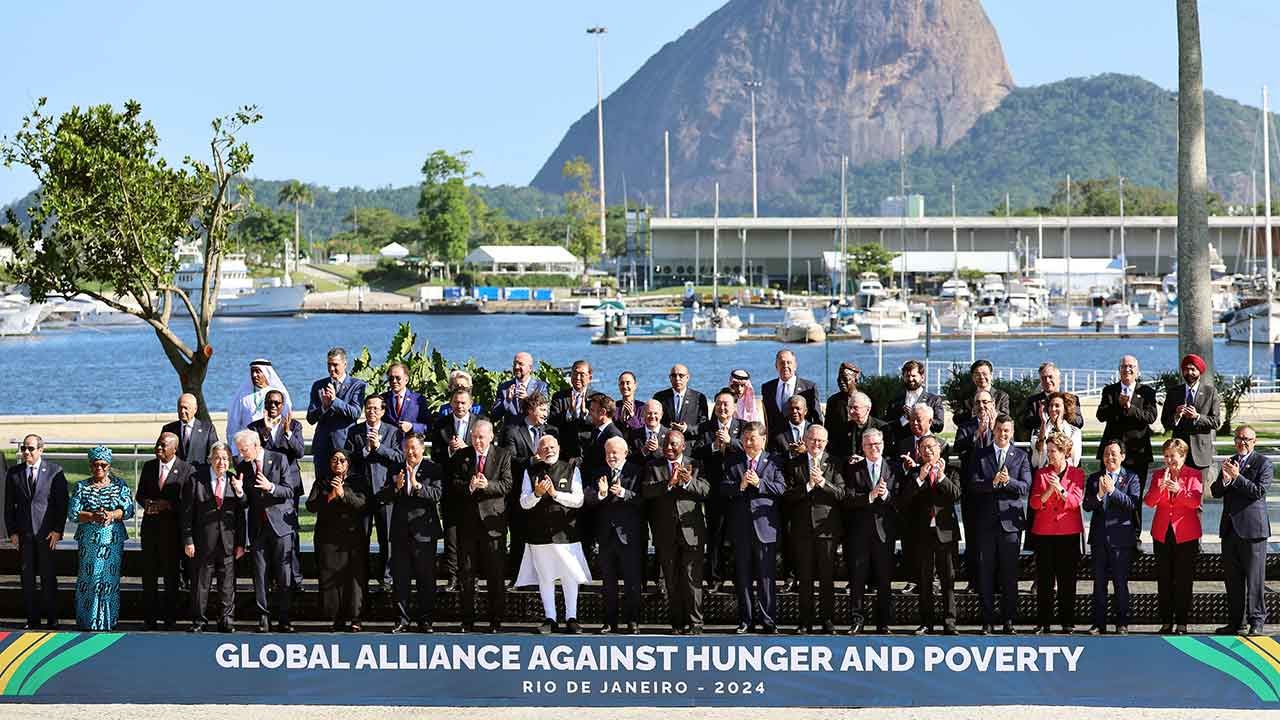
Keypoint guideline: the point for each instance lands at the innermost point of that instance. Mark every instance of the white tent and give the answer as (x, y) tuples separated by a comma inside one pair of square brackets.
[(395, 251), (523, 258)]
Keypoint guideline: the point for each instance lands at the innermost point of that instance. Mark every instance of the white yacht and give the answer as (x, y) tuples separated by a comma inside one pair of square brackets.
[(592, 312), (717, 327), (1123, 315), (870, 290), (1066, 317), (83, 311), (1265, 326), (799, 325), (889, 321), (18, 315), (955, 289), (988, 321), (991, 290), (237, 294)]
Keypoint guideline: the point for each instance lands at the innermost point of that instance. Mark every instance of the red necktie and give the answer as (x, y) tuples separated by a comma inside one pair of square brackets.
[(160, 485), (480, 464), (751, 465), (399, 406), (217, 490)]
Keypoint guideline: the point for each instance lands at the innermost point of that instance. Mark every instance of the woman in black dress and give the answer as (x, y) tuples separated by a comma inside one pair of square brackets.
[(341, 542)]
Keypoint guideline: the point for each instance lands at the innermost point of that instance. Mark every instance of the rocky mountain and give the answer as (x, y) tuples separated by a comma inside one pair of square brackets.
[(836, 77)]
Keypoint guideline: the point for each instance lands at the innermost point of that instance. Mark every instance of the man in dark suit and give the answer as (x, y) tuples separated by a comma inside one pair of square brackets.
[(753, 486), (907, 456), (646, 442), (1128, 408), (682, 407), (603, 429), (1035, 410), (926, 503), (451, 435), (508, 406), (405, 408), (787, 440), (1109, 496), (213, 535), (981, 373), (336, 404), (846, 447), (159, 497), (280, 433), (374, 449), (999, 481), (972, 435), (194, 435), (718, 438), (778, 391), (480, 476), (814, 495), (1192, 412), (414, 494), (675, 493), (569, 411), (836, 413), (269, 494), (619, 516), (35, 512), (520, 437), (913, 393), (871, 488), (1244, 529)]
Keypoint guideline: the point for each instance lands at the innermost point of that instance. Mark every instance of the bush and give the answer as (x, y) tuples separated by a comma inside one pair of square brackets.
[(957, 391)]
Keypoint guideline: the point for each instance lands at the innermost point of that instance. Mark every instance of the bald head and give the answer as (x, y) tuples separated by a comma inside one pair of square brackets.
[(187, 407)]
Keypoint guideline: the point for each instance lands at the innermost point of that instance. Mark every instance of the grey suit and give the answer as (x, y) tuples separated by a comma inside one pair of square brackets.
[(194, 449), (1244, 529), (32, 510), (1197, 433)]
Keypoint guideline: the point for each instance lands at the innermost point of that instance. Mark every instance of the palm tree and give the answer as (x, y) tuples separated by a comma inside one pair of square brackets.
[(297, 194), (1195, 315)]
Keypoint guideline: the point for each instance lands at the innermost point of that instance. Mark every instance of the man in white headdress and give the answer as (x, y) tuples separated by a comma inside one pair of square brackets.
[(550, 496), (248, 404)]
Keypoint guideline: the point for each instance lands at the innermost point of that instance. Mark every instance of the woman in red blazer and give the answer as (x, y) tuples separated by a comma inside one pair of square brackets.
[(1175, 531), (1057, 526)]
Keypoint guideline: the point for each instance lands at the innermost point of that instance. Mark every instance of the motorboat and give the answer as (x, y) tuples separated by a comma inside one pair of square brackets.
[(80, 310), (988, 321), (954, 315), (799, 325), (1265, 326), (870, 290), (890, 321), (593, 315), (238, 295), (19, 316), (991, 290), (955, 289), (717, 327), (1119, 314), (1066, 317)]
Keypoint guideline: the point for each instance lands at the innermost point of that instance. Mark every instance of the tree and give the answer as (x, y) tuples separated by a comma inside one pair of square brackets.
[(870, 258), (1195, 315), (110, 210), (580, 207), (262, 233), (296, 194), (443, 210)]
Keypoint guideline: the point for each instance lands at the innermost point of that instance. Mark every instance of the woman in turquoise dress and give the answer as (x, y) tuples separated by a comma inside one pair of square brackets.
[(99, 506)]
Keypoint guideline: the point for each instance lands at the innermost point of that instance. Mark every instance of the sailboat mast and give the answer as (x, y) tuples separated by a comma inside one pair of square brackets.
[(1124, 261), (955, 237), (715, 253), (1266, 204), (1066, 247)]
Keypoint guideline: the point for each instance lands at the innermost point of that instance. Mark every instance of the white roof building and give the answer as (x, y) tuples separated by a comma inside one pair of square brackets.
[(395, 251), (516, 259)]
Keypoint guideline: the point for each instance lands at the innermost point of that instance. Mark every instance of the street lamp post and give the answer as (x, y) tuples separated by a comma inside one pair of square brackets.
[(599, 32), (752, 86)]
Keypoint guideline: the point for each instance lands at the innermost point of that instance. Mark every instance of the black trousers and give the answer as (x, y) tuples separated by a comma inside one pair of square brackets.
[(716, 526), (682, 571), (449, 513), (758, 561), (343, 571), (517, 531), (628, 561), (871, 557), (37, 562), (475, 549), (273, 560), (1057, 563), (380, 522), (415, 561), (1110, 562), (1175, 571), (935, 556), (1244, 562), (161, 560), (815, 558), (998, 566), (219, 561)]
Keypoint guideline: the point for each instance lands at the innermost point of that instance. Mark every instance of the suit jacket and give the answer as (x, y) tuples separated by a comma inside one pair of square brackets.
[(906, 445), (206, 525), (814, 513), (290, 447), (864, 519), (836, 419), (930, 509), (374, 466), (593, 451), (1029, 415), (619, 518), (573, 428), (711, 459), (516, 438), (1244, 500), (506, 406), (998, 396), (693, 409), (1000, 509), (753, 514), (780, 441), (775, 417), (149, 490), (1182, 509), (38, 514), (1111, 519), (484, 510), (442, 434), (675, 513), (196, 450), (1197, 433), (333, 424), (270, 511), (414, 411), (1132, 425), (895, 413), (967, 443), (848, 442), (415, 514), (638, 438), (342, 521)]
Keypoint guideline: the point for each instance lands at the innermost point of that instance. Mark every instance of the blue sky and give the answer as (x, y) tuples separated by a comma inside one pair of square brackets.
[(361, 93)]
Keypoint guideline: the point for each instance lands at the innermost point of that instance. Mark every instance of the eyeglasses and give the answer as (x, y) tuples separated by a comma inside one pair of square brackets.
[(1246, 440), (395, 379), (679, 375), (273, 403), (28, 448), (99, 464), (339, 461)]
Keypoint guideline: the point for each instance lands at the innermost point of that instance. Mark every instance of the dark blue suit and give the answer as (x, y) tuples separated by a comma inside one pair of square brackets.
[(32, 516), (415, 528), (1244, 529), (375, 467), (619, 524), (506, 406), (1111, 540), (332, 423), (413, 411), (999, 517), (272, 523), (754, 517)]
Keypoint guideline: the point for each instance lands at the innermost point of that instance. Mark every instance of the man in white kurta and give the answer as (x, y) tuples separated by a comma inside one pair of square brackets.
[(551, 494), (248, 404)]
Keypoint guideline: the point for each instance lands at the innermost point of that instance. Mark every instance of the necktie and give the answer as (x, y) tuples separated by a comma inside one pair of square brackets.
[(164, 472), (999, 459), (933, 476), (751, 465), (399, 405), (536, 431), (480, 464), (257, 468), (186, 436), (31, 481), (577, 404), (217, 490), (875, 473), (1191, 397), (408, 480), (679, 403), (613, 476), (795, 434), (671, 469)]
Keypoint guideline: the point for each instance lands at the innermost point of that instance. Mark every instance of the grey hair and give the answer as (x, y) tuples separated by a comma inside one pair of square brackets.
[(925, 406), (873, 434), (248, 438), (216, 448), (337, 352)]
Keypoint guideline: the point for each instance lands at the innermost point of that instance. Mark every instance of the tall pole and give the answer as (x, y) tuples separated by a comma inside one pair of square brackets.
[(955, 237), (715, 253), (666, 168), (1124, 260), (599, 32), (752, 85), (902, 189), (1266, 205), (844, 228)]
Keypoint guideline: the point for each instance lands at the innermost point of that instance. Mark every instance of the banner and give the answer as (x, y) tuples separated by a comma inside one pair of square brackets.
[(583, 671)]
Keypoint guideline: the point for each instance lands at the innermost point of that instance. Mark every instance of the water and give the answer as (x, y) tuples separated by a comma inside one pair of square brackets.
[(123, 369)]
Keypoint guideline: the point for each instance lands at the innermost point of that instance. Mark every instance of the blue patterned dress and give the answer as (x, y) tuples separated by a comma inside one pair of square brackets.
[(101, 547)]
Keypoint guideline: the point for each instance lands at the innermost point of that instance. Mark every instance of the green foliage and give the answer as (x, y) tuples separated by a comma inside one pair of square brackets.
[(391, 275), (581, 206), (429, 371), (1232, 394), (971, 275), (870, 257), (445, 206), (262, 234), (959, 389), (882, 389)]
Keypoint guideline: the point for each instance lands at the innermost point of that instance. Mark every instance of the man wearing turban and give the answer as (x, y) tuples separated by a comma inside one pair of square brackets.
[(1192, 412)]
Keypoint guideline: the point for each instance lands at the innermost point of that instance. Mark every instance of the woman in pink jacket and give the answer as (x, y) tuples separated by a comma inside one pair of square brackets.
[(1057, 526), (1175, 492)]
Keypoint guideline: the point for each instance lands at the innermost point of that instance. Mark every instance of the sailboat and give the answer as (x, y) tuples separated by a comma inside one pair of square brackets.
[(716, 329), (1066, 316), (1261, 322)]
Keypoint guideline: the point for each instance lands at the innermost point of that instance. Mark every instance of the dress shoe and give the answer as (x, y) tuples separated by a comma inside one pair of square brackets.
[(1257, 630), (376, 589), (769, 630), (547, 627), (467, 627), (856, 627), (714, 586), (986, 629), (909, 589), (923, 630), (1068, 629), (682, 630), (694, 630), (1122, 629), (1165, 630), (884, 630), (286, 628), (338, 626), (633, 628), (571, 627), (452, 587), (1009, 629), (742, 629), (401, 627), (226, 627), (828, 628), (950, 630), (788, 586), (801, 630), (425, 628), (1228, 630), (196, 627), (1180, 629), (495, 627), (1095, 630), (607, 629), (264, 625), (354, 628), (1041, 630)]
